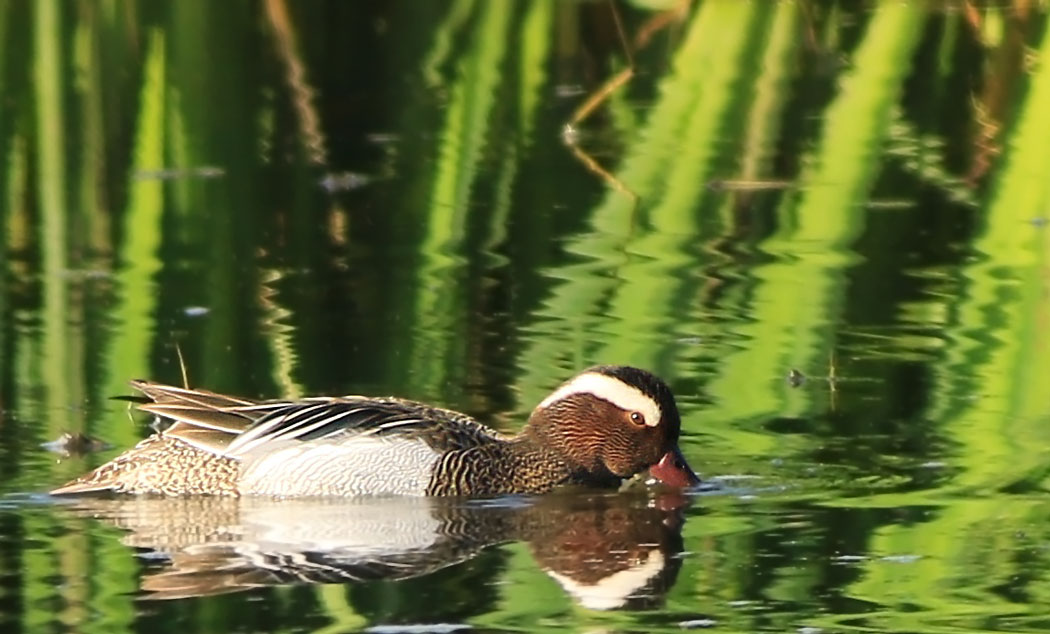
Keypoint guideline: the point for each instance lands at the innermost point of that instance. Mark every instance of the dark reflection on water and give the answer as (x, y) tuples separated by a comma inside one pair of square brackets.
[(607, 552)]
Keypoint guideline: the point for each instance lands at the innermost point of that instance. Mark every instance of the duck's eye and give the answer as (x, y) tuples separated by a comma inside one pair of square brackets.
[(637, 418)]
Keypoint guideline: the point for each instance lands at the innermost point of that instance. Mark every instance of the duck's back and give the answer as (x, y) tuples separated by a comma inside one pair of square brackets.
[(324, 446)]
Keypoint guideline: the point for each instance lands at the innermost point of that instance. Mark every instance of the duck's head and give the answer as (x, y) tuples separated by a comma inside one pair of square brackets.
[(614, 421)]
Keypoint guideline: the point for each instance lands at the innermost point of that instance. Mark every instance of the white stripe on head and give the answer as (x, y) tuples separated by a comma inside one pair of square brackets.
[(608, 388)]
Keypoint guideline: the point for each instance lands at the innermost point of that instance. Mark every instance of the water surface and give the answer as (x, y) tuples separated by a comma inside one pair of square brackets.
[(825, 225)]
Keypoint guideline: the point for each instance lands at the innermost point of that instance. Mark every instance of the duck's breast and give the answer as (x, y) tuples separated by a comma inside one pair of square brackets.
[(363, 465)]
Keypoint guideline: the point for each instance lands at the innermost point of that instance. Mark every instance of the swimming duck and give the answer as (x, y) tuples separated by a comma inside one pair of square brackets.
[(597, 429)]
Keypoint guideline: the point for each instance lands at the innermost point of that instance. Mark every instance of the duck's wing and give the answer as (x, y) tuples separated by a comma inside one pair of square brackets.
[(206, 420), (232, 426), (345, 418)]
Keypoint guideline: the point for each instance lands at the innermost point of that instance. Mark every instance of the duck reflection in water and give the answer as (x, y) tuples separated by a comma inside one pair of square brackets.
[(607, 551)]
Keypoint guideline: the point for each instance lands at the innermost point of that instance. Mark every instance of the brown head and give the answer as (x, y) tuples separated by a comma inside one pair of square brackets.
[(614, 422)]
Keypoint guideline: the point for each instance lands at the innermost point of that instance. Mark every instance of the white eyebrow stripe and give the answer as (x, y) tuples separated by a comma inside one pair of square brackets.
[(626, 397)]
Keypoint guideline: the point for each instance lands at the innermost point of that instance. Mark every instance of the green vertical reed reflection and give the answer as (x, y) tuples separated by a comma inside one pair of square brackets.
[(131, 331), (51, 193), (639, 258), (660, 277), (536, 29), (469, 119), (990, 399), (760, 131), (138, 253), (91, 163), (798, 296), (70, 555), (991, 389)]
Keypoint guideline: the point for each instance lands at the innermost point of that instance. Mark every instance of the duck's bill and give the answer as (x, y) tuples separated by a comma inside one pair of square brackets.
[(673, 470)]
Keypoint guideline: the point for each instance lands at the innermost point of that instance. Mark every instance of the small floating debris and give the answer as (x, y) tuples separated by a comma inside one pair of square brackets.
[(206, 171), (901, 559), (723, 184), (891, 203), (382, 138), (196, 311), (422, 628), (344, 181), (570, 135), (695, 624), (75, 444), (795, 378), (88, 274), (568, 91), (1039, 221)]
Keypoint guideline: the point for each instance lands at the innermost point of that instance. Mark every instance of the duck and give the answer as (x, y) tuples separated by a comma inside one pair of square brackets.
[(598, 429)]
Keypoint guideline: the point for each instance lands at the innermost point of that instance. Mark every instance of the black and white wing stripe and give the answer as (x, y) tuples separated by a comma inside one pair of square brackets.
[(233, 427), (331, 419)]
